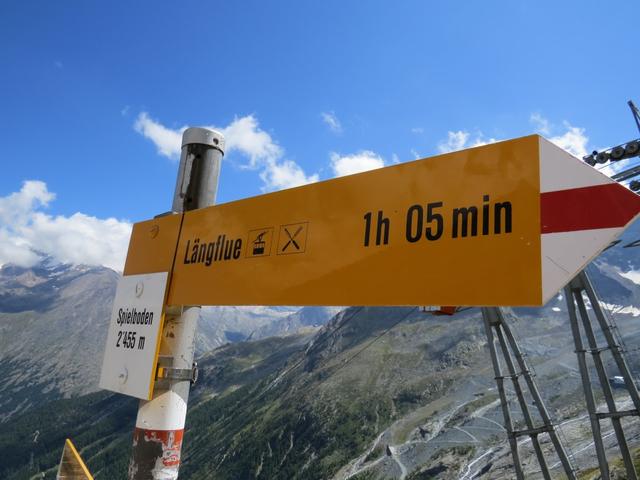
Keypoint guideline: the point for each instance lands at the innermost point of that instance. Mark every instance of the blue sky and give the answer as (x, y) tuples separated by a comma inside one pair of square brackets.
[(94, 94)]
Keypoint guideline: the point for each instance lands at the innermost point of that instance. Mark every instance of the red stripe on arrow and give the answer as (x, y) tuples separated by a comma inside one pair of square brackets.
[(588, 208)]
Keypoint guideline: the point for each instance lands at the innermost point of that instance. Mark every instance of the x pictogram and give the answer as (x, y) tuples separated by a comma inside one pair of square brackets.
[(292, 238)]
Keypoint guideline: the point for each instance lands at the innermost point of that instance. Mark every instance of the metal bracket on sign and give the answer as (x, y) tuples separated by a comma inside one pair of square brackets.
[(166, 371)]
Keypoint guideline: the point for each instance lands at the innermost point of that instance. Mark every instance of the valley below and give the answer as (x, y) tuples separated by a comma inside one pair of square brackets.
[(313, 393)]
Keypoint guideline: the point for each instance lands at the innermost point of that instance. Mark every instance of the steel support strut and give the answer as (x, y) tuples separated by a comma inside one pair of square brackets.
[(157, 439), (494, 320), (574, 293)]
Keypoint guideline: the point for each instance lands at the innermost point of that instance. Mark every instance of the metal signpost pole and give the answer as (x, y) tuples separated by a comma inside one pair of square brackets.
[(157, 439)]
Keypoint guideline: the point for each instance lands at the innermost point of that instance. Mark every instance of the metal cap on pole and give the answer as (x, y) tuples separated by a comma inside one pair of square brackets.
[(157, 439), (200, 160)]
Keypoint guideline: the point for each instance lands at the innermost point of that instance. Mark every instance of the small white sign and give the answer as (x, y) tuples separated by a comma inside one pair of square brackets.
[(130, 356)]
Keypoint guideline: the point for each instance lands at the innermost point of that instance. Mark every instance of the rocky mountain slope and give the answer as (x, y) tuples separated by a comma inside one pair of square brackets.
[(376, 393), (54, 320)]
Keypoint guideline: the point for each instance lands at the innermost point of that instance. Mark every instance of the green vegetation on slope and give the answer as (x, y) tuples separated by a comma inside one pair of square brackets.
[(102, 423)]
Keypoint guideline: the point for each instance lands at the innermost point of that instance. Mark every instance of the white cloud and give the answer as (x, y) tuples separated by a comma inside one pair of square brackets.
[(415, 153), (332, 121), (26, 232), (462, 139), (570, 138), (355, 163), (455, 141), (573, 139), (16, 206), (480, 140), (417, 130), (166, 140), (244, 136), (277, 175), (540, 123)]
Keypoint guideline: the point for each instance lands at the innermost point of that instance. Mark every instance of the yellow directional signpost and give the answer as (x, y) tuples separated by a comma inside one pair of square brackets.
[(464, 228), (507, 224)]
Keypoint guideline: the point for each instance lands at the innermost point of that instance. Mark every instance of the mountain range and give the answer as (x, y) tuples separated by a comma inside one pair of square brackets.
[(54, 320), (374, 393)]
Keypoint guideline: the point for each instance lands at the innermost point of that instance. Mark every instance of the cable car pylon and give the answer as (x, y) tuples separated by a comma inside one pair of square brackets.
[(494, 322), (575, 293)]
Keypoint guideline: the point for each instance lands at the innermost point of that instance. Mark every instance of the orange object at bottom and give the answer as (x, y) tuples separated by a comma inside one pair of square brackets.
[(445, 311)]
